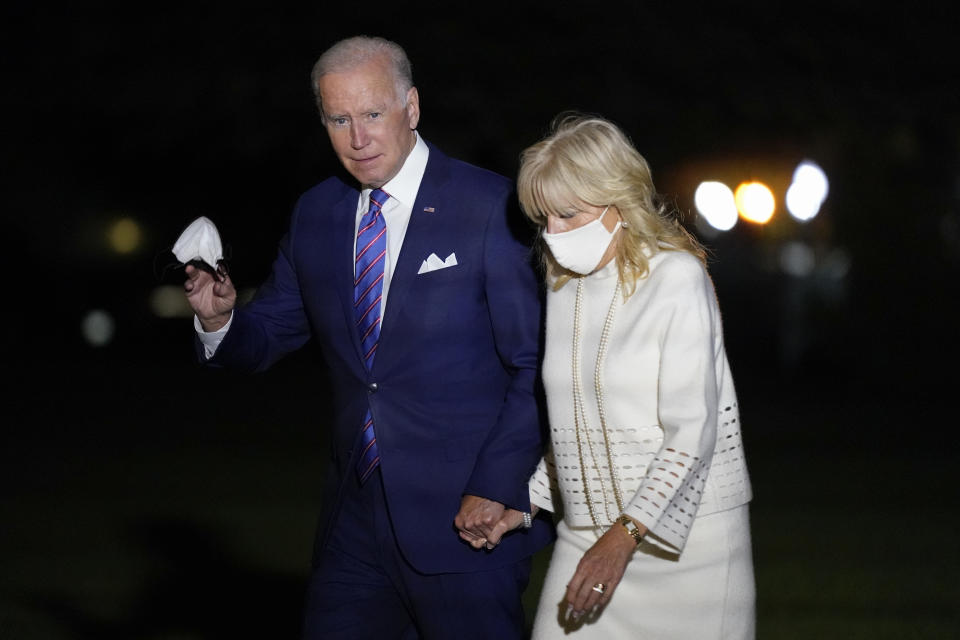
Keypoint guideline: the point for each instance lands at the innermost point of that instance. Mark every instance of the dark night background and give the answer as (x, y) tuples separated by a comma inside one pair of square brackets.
[(143, 497)]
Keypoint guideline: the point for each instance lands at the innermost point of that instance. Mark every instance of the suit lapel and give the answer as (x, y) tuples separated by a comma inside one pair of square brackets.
[(341, 252), (417, 240)]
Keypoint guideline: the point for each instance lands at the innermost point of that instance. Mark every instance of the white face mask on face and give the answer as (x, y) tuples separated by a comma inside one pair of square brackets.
[(580, 250)]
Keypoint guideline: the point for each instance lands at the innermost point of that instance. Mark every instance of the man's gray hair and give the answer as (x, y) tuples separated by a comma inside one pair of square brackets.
[(350, 53)]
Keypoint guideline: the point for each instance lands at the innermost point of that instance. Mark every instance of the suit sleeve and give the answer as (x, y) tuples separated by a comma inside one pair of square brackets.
[(515, 444), (273, 324)]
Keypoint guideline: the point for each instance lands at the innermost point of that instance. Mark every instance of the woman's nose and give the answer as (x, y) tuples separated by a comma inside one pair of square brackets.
[(555, 225)]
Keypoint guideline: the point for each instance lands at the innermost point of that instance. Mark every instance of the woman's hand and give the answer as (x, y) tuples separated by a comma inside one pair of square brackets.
[(603, 563)]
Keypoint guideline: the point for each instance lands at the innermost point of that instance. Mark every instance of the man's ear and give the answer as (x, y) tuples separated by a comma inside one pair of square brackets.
[(413, 108)]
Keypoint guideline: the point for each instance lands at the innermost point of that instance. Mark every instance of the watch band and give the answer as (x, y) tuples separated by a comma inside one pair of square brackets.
[(631, 528), (527, 520)]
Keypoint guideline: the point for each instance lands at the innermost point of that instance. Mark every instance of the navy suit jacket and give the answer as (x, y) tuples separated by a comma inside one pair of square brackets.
[(452, 387)]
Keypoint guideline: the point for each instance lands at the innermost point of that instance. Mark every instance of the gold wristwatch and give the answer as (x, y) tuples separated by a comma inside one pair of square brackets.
[(631, 528)]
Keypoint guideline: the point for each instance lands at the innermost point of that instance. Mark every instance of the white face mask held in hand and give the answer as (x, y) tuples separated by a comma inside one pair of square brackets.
[(580, 250), (200, 245)]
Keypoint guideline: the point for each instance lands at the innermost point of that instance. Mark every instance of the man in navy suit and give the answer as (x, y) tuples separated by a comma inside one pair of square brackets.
[(435, 426)]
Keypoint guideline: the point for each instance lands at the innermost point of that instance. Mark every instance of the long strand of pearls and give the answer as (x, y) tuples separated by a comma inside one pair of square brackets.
[(581, 425), (579, 416), (598, 390)]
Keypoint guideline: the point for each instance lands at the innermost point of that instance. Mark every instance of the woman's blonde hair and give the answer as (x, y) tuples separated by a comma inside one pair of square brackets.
[(589, 159)]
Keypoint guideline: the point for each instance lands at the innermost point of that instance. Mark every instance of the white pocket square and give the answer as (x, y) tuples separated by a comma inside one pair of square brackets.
[(433, 263)]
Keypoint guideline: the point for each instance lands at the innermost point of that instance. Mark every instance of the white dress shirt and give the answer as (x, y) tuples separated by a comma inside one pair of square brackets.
[(396, 211)]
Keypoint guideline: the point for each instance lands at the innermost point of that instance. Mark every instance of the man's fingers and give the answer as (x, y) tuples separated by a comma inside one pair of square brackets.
[(196, 278), (223, 287), (463, 525), (472, 540), (475, 542), (466, 525), (479, 522)]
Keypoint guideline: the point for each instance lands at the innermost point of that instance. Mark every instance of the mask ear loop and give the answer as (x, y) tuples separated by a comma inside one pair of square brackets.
[(621, 223)]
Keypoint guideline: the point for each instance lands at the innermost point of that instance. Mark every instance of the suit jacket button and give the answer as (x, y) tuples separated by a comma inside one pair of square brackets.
[(373, 386)]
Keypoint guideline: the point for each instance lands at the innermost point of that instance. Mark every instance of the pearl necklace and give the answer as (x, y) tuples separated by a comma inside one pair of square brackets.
[(581, 426)]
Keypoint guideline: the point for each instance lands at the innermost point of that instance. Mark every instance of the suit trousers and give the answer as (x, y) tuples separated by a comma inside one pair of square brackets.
[(362, 587)]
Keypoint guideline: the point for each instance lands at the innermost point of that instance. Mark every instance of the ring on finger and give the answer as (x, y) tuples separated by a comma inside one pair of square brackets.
[(599, 588)]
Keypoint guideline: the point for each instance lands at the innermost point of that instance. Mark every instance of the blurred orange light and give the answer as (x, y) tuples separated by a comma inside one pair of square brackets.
[(755, 202), (124, 236)]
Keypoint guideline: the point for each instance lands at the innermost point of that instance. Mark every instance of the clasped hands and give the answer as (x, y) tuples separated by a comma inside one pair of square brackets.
[(482, 522)]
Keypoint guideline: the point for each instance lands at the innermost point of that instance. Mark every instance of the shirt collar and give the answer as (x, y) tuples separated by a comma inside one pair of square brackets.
[(403, 187)]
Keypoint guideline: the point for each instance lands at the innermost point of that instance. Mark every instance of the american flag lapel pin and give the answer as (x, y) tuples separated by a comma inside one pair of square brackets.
[(429, 209)]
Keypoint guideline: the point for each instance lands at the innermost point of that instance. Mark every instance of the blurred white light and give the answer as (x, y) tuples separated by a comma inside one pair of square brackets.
[(812, 176), (169, 301), (755, 202), (801, 204), (715, 202), (97, 327), (797, 259), (807, 191)]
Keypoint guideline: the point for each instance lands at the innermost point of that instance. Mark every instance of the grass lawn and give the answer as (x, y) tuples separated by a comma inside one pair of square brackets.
[(123, 517)]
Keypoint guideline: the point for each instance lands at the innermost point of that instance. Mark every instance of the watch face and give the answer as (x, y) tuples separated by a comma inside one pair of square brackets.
[(631, 528)]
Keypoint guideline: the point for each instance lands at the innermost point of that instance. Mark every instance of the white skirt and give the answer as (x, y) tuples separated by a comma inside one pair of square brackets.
[(706, 592)]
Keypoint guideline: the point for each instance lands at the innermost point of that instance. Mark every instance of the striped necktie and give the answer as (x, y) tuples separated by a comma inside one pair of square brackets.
[(368, 291)]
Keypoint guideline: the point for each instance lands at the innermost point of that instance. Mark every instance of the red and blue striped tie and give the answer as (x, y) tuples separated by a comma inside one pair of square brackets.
[(368, 291)]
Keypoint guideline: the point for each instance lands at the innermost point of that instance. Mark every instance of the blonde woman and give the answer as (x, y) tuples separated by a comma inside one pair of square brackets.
[(646, 462)]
